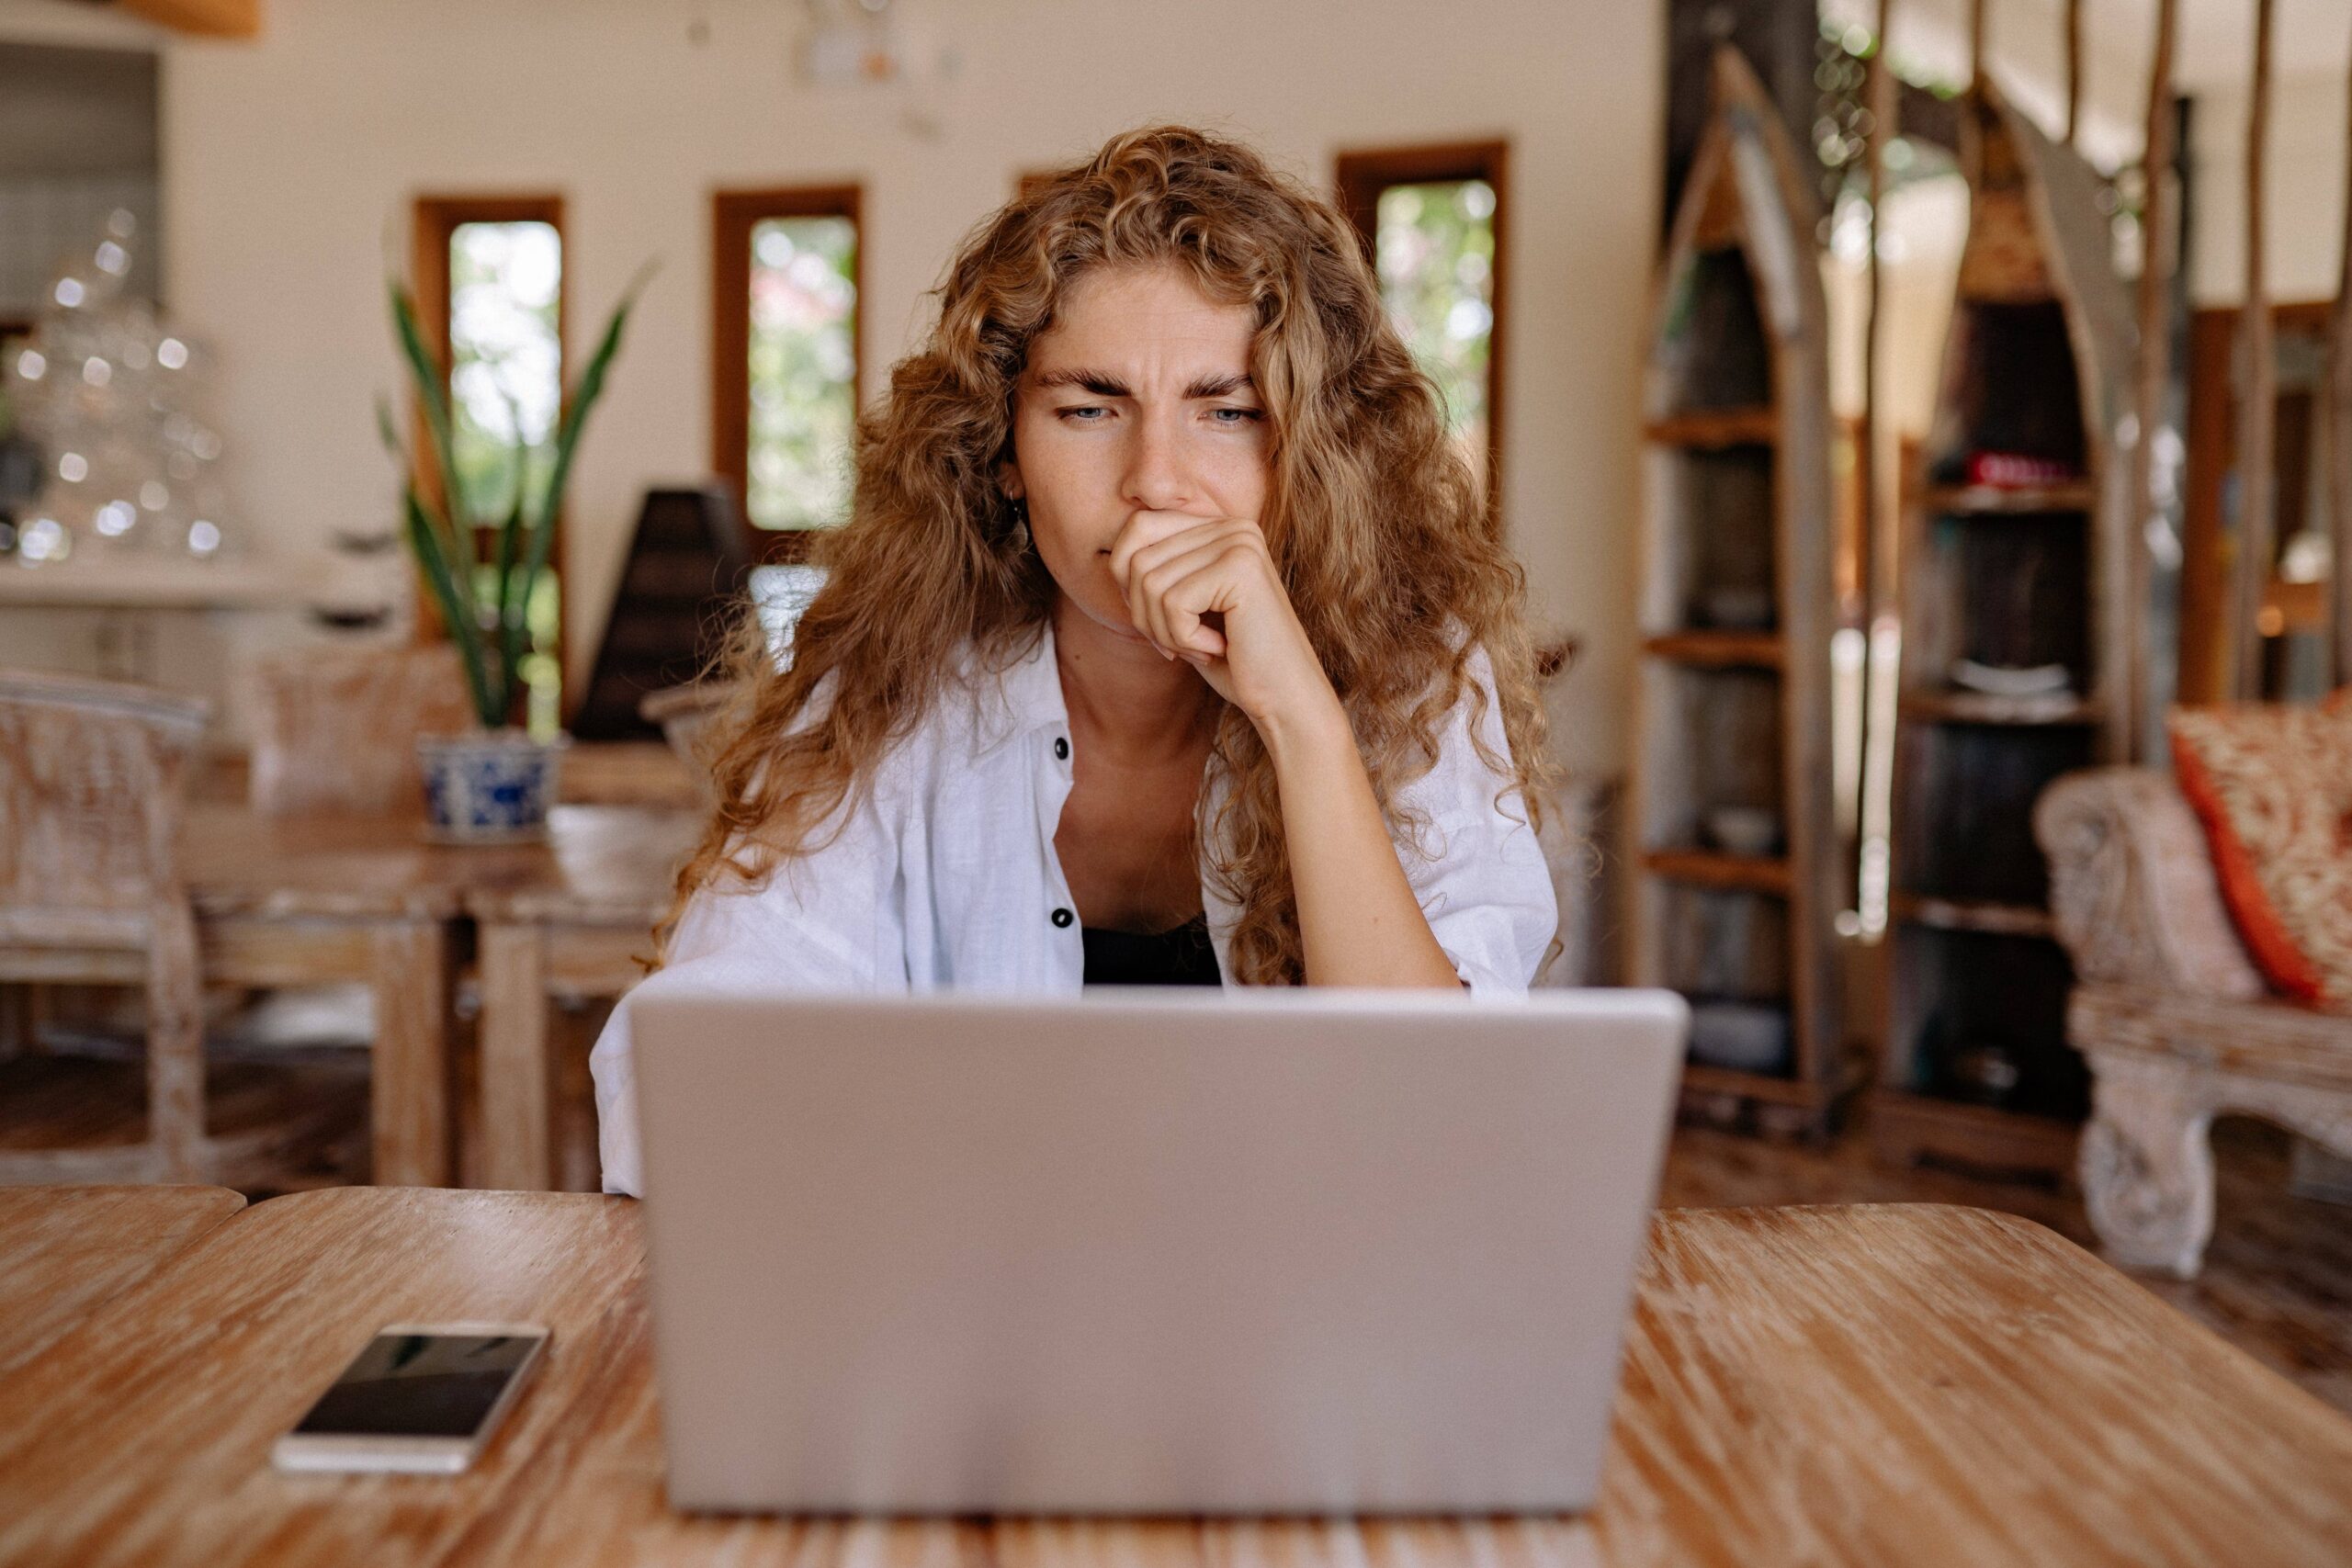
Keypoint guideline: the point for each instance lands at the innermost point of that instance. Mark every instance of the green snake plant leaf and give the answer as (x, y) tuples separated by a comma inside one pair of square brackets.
[(513, 607), (457, 604), (489, 621), (584, 393), (388, 432), (433, 392)]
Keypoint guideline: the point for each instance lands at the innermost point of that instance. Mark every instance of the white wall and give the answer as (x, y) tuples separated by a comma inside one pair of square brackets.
[(2303, 191), (289, 164)]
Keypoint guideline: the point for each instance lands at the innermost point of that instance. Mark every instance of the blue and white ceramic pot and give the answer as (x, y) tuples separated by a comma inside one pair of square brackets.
[(493, 786)]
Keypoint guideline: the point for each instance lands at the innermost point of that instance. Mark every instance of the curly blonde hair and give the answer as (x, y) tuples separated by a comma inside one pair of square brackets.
[(1394, 562)]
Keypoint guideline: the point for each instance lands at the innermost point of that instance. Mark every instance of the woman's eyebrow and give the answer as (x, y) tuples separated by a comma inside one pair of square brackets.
[(1103, 383), (1219, 386)]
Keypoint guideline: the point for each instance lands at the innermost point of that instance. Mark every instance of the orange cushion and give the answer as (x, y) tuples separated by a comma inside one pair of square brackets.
[(2273, 786)]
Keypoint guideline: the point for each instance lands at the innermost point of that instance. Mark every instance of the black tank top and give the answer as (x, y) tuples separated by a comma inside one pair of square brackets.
[(1179, 957)]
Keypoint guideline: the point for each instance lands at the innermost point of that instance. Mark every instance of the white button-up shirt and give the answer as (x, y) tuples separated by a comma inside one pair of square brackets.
[(944, 874)]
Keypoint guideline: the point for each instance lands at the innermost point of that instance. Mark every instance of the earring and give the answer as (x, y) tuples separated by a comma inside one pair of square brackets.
[(1016, 539)]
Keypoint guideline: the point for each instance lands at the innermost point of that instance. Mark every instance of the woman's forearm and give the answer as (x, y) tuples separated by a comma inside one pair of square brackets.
[(1358, 918)]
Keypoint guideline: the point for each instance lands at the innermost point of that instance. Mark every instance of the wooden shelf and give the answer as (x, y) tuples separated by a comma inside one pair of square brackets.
[(1991, 500), (1719, 649), (1713, 428), (1975, 915), (1738, 533), (91, 582), (1787, 1105), (1954, 706), (1700, 1078), (1905, 1128), (1779, 1107), (1712, 868), (2016, 577)]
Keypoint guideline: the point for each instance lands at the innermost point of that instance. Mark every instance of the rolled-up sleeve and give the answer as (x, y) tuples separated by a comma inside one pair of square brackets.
[(1477, 870), (826, 921)]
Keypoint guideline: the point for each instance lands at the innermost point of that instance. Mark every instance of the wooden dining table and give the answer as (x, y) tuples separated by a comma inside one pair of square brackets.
[(305, 900), (580, 928), (66, 1251), (1909, 1384)]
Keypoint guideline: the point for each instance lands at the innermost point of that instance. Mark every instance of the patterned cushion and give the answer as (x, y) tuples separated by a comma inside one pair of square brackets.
[(2273, 787)]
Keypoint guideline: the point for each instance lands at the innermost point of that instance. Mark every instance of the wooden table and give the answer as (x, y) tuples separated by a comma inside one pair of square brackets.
[(1910, 1385), (580, 928), (68, 1251), (293, 901)]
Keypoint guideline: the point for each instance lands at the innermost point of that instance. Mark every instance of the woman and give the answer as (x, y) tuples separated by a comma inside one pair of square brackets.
[(1168, 640)]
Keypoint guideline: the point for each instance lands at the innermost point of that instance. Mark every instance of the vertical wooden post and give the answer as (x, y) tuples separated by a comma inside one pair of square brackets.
[(2257, 407), (409, 1095), (2339, 439), (2156, 263), (1975, 41), (175, 1046), (1879, 98), (2074, 69), (1883, 650), (516, 1145)]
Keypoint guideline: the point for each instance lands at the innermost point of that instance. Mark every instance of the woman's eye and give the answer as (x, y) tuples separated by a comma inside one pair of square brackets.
[(1235, 416), (1083, 414)]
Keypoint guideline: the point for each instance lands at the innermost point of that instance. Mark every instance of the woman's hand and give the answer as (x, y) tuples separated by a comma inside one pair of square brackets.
[(1204, 589)]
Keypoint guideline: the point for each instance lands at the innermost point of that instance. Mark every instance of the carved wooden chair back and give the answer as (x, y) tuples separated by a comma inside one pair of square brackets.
[(335, 729), (92, 779)]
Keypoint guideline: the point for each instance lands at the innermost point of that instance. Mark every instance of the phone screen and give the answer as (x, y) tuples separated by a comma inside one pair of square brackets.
[(420, 1385)]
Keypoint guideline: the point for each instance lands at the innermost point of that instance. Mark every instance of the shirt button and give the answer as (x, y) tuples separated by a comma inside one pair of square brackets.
[(1062, 918), (1062, 748)]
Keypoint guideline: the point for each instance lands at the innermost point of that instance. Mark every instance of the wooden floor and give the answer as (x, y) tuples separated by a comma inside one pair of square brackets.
[(2278, 1280)]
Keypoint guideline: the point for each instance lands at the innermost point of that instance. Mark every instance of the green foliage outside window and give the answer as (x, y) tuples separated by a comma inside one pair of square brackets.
[(1436, 256), (505, 391), (803, 371)]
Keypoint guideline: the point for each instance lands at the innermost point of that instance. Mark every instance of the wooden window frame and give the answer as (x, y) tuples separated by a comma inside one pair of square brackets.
[(435, 223), (1363, 175), (734, 215)]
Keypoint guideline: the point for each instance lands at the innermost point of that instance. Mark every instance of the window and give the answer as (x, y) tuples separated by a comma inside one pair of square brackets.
[(784, 358), (489, 295), (1431, 220)]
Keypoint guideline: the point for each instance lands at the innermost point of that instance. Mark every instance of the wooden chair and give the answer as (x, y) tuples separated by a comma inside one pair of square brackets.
[(92, 775), (334, 728), (334, 732)]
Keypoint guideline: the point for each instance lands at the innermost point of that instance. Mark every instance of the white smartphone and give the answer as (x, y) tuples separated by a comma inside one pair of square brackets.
[(420, 1397)]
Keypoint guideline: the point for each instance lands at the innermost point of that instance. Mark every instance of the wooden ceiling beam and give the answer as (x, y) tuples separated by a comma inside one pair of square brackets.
[(208, 18)]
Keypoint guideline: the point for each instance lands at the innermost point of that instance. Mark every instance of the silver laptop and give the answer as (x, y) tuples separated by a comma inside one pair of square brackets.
[(1252, 1252)]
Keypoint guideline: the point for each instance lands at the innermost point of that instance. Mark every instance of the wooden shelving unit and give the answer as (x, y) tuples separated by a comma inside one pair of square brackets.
[(1974, 1063), (1738, 871), (2058, 501), (1714, 429), (1717, 649)]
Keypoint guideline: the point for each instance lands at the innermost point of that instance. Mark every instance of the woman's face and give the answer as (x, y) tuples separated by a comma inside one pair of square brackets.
[(1138, 399)]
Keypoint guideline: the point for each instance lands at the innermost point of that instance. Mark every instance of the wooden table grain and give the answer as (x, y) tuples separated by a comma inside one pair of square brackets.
[(579, 929), (67, 1251), (300, 900), (1903, 1385)]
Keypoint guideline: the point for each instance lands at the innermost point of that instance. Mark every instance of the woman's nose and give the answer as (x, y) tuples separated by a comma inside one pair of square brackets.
[(1158, 478)]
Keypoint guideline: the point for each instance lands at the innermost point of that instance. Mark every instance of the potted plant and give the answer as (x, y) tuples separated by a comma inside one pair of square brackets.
[(482, 556)]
